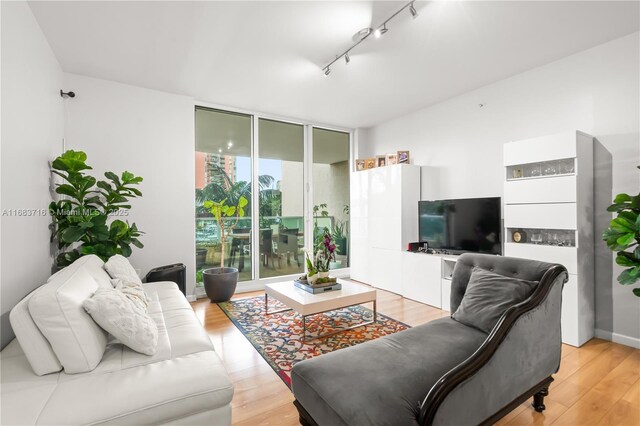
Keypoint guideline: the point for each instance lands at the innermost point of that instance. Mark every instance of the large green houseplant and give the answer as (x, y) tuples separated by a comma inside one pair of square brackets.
[(623, 237), (84, 221), (220, 283)]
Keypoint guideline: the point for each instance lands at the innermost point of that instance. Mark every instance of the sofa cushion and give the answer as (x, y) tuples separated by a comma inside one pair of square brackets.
[(92, 264), (134, 292), (184, 379), (488, 296), (36, 347), (56, 308), (119, 267), (382, 381), (123, 319)]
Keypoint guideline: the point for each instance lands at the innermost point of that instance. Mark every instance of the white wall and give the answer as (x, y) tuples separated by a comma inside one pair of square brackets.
[(32, 131), (151, 134), (596, 91)]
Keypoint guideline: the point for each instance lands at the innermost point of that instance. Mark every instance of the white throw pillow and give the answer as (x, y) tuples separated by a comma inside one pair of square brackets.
[(35, 346), (134, 291), (118, 315), (56, 308), (119, 268)]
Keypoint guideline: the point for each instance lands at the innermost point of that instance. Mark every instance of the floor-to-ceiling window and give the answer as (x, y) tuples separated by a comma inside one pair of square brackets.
[(292, 178), (330, 177), (223, 174), (281, 179)]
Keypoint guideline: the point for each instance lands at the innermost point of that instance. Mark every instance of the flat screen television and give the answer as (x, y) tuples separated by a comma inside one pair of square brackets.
[(464, 225)]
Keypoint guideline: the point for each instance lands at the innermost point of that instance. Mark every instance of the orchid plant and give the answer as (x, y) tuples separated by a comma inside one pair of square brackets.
[(325, 252)]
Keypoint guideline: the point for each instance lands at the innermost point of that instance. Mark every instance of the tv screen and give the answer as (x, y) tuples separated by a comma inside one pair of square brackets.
[(465, 225)]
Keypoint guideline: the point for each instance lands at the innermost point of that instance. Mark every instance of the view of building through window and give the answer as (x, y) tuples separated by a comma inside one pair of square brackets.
[(224, 172)]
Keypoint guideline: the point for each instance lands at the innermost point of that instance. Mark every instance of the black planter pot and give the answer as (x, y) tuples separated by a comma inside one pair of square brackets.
[(220, 283)]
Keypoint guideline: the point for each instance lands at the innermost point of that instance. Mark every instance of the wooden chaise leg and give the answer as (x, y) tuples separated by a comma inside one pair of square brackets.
[(538, 400)]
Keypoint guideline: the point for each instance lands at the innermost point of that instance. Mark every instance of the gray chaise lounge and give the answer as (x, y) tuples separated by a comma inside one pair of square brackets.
[(443, 372)]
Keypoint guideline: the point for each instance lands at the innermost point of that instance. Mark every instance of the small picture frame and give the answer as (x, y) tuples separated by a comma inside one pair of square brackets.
[(403, 157), (381, 160), (517, 173), (392, 159), (360, 165), (370, 163)]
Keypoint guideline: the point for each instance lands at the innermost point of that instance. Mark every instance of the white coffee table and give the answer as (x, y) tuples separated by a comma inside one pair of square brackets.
[(307, 304)]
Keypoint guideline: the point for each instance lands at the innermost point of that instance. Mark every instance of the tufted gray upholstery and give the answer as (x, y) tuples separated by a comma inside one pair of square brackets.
[(383, 382), (524, 269)]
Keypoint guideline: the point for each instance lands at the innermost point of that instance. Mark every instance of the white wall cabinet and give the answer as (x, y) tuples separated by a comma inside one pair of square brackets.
[(384, 220), (549, 192)]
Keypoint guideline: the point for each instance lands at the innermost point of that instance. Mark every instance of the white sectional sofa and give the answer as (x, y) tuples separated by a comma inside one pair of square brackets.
[(185, 382)]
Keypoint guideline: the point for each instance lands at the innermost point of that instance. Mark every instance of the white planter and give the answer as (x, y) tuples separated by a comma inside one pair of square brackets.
[(312, 278), (324, 274)]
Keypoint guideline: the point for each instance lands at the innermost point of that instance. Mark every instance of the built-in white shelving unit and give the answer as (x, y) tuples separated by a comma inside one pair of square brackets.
[(548, 200), (384, 220)]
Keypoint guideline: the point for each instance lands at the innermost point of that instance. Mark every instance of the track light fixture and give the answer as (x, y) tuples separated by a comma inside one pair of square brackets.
[(362, 35), (381, 31), (414, 12)]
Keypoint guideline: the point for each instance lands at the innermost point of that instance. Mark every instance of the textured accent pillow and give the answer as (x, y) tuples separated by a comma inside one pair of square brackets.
[(488, 296), (119, 267), (35, 346), (56, 308), (134, 292), (118, 315)]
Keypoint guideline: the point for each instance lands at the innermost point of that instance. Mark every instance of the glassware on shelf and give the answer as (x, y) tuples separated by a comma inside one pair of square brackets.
[(566, 166), (536, 237), (549, 169), (532, 170)]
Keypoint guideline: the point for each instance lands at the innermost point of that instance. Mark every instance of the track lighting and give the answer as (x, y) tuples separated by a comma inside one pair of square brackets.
[(414, 12), (362, 35), (381, 31)]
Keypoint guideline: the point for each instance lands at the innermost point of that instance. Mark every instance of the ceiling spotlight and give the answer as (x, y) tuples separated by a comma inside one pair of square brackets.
[(327, 71), (347, 59), (413, 11), (381, 31), (219, 149)]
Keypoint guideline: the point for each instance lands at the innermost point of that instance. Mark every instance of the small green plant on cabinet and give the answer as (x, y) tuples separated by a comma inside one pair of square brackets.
[(227, 217), (81, 220), (623, 237)]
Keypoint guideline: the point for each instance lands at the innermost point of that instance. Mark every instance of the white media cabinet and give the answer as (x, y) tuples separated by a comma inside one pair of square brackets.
[(426, 277), (548, 195)]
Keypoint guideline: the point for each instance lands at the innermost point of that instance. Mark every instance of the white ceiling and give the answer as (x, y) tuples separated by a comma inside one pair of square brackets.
[(267, 56)]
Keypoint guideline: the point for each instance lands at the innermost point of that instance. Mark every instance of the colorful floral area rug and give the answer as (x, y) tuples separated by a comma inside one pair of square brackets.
[(278, 337)]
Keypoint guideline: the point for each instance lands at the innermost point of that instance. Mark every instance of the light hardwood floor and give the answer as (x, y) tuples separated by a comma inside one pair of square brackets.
[(598, 383)]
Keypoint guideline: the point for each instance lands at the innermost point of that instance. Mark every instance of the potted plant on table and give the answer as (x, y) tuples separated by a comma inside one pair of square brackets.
[(220, 283), (318, 270)]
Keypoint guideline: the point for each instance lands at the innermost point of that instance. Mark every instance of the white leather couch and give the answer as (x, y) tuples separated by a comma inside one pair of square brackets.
[(184, 383)]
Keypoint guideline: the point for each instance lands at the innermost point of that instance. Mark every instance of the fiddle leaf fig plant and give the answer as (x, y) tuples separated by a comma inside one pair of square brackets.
[(81, 220), (227, 217), (623, 237)]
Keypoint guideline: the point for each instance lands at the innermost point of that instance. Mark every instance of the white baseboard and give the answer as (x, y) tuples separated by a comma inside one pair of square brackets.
[(249, 286), (191, 297), (634, 342)]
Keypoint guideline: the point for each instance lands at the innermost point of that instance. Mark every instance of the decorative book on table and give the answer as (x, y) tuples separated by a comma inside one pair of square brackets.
[(317, 288)]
